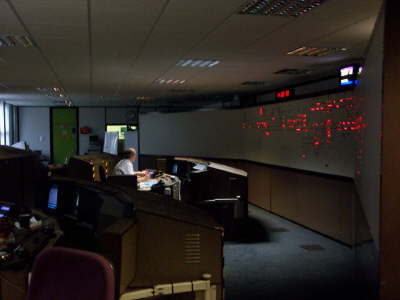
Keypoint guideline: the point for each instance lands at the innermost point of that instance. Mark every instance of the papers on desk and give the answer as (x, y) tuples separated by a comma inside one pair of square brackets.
[(146, 185), (200, 167)]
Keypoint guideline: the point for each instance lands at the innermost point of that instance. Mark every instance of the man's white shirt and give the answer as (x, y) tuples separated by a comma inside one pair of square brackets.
[(124, 167)]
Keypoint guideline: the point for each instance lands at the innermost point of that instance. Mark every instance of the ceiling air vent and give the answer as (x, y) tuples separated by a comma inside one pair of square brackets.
[(316, 52), (13, 40), (282, 8), (294, 72), (255, 83), (182, 91)]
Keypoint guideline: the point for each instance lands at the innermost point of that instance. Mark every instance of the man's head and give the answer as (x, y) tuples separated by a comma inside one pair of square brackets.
[(130, 154)]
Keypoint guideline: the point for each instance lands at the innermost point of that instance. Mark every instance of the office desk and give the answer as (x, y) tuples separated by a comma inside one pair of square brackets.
[(217, 188), (14, 279), (168, 185), (146, 185), (151, 239)]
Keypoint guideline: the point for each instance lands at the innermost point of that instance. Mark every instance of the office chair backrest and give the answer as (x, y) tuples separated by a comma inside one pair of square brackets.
[(102, 174), (65, 274)]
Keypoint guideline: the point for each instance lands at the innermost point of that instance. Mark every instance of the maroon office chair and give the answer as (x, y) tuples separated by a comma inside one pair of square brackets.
[(69, 274)]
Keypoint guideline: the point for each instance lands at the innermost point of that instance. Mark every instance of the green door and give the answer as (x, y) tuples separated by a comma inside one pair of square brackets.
[(64, 134)]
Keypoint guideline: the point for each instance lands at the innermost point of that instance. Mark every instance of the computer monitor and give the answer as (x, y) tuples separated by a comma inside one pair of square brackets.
[(174, 168), (53, 198), (181, 169)]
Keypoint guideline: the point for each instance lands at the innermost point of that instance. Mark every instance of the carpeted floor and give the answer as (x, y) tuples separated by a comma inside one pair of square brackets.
[(271, 264)]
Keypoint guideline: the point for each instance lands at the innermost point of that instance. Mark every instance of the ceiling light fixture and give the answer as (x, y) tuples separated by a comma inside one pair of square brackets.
[(170, 81), (53, 92), (283, 8), (316, 52), (11, 41), (7, 41), (199, 63), (24, 40)]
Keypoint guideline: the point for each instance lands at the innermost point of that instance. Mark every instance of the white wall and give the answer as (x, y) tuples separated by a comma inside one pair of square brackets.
[(220, 134), (121, 115), (207, 134), (369, 94), (34, 128), (93, 117)]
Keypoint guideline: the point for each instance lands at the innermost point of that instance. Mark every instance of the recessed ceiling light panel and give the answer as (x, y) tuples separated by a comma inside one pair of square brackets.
[(282, 8), (12, 40), (199, 63), (316, 52), (7, 41), (170, 81), (53, 92)]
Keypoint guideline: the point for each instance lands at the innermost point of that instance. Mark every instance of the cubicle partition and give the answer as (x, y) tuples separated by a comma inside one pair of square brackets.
[(20, 171)]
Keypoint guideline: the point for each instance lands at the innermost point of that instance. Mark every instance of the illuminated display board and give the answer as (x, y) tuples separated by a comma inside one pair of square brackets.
[(321, 124)]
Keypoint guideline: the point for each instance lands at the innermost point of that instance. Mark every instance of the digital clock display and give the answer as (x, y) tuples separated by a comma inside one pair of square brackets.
[(284, 94)]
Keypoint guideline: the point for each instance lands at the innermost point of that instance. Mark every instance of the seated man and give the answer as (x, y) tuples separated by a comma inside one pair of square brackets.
[(125, 166)]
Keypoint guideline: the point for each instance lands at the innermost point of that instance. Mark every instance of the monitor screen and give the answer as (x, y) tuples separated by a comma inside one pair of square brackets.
[(348, 75), (53, 197), (174, 169), (5, 208)]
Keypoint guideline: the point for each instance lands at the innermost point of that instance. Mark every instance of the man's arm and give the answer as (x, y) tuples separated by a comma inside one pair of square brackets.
[(140, 173)]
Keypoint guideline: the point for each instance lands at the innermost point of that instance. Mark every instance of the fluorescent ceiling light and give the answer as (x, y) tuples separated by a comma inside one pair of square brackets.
[(316, 52), (283, 8), (11, 40), (53, 92), (199, 63), (7, 41), (170, 81), (24, 40)]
